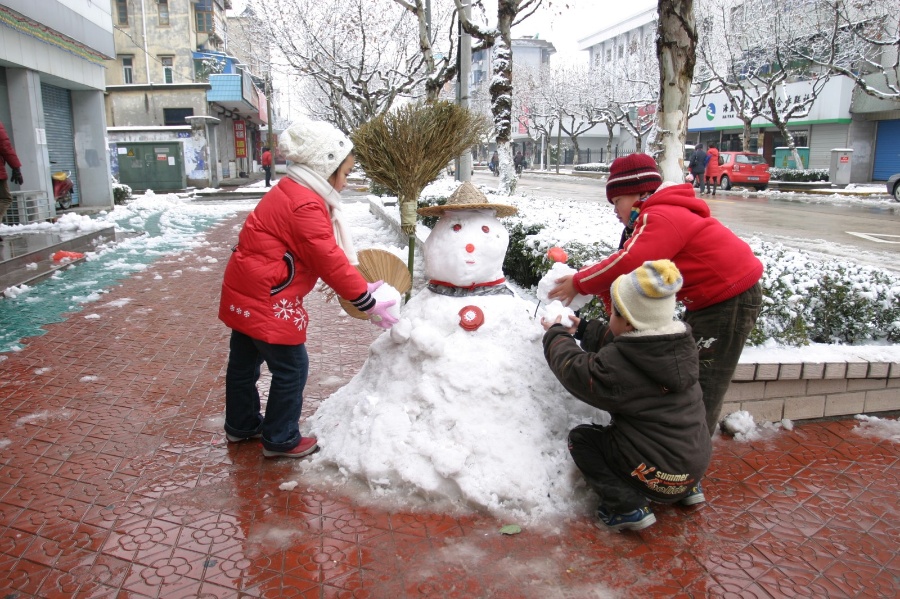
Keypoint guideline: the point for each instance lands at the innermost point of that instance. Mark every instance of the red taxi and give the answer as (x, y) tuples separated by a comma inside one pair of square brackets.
[(743, 168)]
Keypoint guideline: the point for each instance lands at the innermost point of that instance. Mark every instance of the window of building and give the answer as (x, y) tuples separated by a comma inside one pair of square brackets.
[(175, 116), (122, 11), (622, 51), (203, 10), (168, 65), (609, 55), (127, 69), (162, 7)]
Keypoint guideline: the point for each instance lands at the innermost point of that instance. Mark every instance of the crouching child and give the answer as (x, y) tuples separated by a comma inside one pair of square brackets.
[(642, 367)]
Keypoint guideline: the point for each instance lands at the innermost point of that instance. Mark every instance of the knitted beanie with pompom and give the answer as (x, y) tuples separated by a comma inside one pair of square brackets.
[(645, 297)]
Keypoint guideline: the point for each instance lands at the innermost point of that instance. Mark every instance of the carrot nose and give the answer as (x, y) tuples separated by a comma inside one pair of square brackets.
[(470, 248)]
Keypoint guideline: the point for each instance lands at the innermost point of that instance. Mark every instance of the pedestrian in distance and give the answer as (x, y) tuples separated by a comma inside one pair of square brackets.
[(295, 236), (713, 170), (519, 162), (266, 162), (8, 156), (697, 166), (494, 163), (721, 294), (642, 367)]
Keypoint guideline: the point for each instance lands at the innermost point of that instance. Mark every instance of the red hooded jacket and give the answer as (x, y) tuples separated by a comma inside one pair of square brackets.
[(673, 223), (287, 244), (267, 158), (7, 154)]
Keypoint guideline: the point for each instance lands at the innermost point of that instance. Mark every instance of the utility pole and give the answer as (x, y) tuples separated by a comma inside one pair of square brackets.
[(270, 138), (464, 58)]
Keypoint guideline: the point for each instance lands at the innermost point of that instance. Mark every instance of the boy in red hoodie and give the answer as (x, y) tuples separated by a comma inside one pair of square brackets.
[(721, 291)]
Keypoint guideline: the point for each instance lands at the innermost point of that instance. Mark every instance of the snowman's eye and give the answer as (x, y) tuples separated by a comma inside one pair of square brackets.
[(457, 227), (486, 229)]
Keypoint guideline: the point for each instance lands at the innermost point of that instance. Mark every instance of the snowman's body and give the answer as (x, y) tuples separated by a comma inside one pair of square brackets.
[(457, 401)]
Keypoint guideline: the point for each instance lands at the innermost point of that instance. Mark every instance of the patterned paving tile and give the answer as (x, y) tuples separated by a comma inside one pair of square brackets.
[(123, 485)]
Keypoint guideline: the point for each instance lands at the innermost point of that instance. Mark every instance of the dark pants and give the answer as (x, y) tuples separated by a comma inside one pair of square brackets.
[(268, 170), (698, 180), (5, 198), (289, 365), (616, 495), (721, 331), (711, 183)]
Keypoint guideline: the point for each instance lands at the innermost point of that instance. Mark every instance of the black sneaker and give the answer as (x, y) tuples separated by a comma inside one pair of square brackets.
[(694, 497), (636, 520)]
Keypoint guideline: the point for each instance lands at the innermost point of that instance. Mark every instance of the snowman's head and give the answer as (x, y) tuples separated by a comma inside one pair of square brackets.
[(466, 247)]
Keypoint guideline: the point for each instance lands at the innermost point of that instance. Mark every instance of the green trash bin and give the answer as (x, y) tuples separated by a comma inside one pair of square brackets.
[(785, 159)]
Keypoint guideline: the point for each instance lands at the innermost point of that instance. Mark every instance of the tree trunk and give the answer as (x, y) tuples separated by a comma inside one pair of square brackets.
[(676, 44), (745, 139), (501, 93)]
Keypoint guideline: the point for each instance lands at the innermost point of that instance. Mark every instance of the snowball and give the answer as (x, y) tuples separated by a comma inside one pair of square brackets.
[(548, 282), (555, 309)]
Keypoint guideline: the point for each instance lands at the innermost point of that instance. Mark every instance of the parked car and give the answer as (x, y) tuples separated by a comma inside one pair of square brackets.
[(893, 186), (743, 168)]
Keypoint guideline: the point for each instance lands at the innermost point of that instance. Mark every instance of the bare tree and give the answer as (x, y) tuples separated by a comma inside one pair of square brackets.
[(860, 40), (509, 13), (359, 56), (751, 49)]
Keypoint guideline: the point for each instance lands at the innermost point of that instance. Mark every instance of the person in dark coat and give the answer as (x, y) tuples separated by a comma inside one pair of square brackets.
[(697, 166), (7, 156), (643, 368)]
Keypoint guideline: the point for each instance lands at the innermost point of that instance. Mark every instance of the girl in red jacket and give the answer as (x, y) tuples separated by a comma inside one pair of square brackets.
[(713, 170), (721, 291), (294, 236)]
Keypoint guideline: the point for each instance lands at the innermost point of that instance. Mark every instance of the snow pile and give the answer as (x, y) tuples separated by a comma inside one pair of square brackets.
[(742, 427), (881, 428)]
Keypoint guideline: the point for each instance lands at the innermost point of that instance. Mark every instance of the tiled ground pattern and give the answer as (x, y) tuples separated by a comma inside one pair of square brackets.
[(115, 481)]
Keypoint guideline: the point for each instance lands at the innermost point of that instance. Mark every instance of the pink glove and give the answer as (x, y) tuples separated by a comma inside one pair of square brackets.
[(379, 315)]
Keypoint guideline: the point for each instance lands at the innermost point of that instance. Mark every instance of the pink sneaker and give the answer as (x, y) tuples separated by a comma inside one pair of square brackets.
[(306, 446)]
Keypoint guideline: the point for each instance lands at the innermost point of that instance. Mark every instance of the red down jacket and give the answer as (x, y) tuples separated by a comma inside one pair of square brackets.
[(716, 264), (287, 244)]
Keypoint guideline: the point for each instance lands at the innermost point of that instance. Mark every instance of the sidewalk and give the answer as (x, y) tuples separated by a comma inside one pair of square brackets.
[(116, 481)]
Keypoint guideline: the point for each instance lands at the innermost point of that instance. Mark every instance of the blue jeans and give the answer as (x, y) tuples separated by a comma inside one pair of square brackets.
[(289, 365), (721, 330)]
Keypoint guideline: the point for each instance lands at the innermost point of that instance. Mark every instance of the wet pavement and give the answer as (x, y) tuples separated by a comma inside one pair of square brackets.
[(116, 481)]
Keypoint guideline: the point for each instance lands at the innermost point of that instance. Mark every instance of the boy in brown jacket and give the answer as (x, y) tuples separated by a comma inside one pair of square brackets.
[(642, 367)]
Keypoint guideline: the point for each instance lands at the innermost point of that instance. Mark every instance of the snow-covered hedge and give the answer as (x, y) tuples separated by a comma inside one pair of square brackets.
[(804, 299), (592, 167), (799, 175)]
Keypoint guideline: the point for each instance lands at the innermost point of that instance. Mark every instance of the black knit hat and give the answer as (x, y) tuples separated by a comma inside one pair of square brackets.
[(635, 173)]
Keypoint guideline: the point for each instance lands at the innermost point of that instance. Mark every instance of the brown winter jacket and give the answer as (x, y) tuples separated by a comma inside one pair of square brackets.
[(648, 382)]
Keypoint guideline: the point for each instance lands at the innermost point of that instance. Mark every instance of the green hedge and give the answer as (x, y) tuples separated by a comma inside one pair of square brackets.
[(592, 167)]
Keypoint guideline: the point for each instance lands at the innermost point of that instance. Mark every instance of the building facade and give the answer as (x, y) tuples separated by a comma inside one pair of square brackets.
[(52, 56), (172, 80), (841, 117)]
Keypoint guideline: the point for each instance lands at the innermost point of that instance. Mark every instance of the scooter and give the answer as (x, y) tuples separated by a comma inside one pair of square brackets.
[(62, 189)]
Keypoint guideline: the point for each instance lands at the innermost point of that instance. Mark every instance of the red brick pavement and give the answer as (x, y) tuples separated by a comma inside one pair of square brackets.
[(115, 481)]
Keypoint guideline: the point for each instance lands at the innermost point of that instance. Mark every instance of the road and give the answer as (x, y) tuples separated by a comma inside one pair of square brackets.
[(867, 233)]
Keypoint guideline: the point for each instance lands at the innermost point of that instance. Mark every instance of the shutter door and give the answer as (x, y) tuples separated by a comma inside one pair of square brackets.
[(824, 139), (60, 132), (887, 150)]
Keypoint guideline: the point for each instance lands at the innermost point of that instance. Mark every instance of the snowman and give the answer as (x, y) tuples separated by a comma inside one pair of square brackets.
[(456, 402)]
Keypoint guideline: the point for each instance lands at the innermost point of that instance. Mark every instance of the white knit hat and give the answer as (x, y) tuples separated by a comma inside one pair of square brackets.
[(645, 297), (316, 144)]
